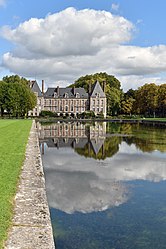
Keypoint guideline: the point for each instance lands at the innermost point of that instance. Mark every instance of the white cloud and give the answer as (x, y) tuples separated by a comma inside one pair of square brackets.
[(134, 81), (70, 33), (73, 185), (71, 43)]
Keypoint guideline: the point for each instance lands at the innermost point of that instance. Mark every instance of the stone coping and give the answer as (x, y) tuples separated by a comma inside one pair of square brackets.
[(31, 225)]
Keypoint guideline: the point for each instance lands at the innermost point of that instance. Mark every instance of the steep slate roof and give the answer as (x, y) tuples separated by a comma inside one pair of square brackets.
[(35, 88), (97, 90), (50, 92)]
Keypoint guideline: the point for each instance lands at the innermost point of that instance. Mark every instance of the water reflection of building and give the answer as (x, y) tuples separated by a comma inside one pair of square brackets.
[(75, 135)]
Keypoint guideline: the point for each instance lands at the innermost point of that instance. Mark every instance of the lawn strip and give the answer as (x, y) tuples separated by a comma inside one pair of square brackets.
[(13, 139)]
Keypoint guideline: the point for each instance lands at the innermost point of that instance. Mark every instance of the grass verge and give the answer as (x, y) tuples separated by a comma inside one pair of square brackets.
[(13, 139)]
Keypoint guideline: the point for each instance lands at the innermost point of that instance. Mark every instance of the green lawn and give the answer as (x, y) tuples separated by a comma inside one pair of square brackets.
[(13, 139)]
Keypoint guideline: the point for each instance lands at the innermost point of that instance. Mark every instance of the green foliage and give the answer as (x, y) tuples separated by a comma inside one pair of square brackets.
[(15, 96), (127, 106), (147, 99), (112, 89), (86, 115), (113, 100), (15, 79), (48, 114), (14, 137), (85, 81), (100, 116), (162, 100)]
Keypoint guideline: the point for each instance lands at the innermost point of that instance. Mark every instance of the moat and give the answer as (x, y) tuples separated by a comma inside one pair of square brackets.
[(106, 184)]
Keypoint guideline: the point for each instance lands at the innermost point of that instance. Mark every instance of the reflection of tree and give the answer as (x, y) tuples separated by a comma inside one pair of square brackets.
[(113, 127), (101, 140), (126, 128), (147, 138), (108, 149)]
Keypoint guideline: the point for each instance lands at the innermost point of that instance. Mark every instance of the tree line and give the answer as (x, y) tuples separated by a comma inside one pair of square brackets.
[(148, 100), (16, 97)]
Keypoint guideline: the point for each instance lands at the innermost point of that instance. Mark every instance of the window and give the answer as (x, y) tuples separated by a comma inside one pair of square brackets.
[(77, 95), (66, 95), (71, 108), (66, 108)]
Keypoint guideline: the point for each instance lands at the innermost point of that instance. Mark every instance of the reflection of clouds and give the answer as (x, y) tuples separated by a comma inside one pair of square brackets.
[(131, 164), (82, 191), (85, 185)]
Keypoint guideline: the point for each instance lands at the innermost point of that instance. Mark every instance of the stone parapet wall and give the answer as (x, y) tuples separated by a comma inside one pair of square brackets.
[(31, 225)]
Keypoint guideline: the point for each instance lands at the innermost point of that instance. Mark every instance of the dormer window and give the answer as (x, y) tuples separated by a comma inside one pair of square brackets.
[(55, 95), (77, 95), (97, 95), (66, 95)]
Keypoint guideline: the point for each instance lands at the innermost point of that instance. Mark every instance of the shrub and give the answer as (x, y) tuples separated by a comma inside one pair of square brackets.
[(48, 114)]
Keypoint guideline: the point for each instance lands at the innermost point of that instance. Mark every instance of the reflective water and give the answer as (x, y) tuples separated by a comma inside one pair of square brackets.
[(106, 184)]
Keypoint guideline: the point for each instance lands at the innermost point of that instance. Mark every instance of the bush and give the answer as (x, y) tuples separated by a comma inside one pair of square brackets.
[(87, 114), (100, 116), (48, 114)]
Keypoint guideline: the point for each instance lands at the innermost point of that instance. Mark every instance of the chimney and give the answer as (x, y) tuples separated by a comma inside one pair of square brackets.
[(57, 90), (42, 86), (30, 84), (104, 86), (90, 88), (74, 90)]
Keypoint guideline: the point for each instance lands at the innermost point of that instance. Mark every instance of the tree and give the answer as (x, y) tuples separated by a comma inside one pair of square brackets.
[(127, 106), (162, 100), (113, 100), (15, 96), (3, 96), (147, 99), (15, 79), (112, 88)]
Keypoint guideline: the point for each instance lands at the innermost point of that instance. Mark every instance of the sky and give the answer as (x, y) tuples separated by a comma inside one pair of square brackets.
[(99, 184), (62, 40)]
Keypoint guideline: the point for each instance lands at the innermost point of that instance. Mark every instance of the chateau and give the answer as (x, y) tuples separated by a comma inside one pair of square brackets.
[(69, 101)]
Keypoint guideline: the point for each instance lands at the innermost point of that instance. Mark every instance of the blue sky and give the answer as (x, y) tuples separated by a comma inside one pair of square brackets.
[(59, 41)]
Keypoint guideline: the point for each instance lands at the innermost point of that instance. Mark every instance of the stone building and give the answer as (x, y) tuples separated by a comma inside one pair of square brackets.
[(69, 101)]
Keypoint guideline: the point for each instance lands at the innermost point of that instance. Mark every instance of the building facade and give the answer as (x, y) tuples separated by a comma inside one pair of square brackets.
[(69, 101)]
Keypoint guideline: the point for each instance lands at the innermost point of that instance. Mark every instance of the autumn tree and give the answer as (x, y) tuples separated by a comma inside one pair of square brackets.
[(147, 99)]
